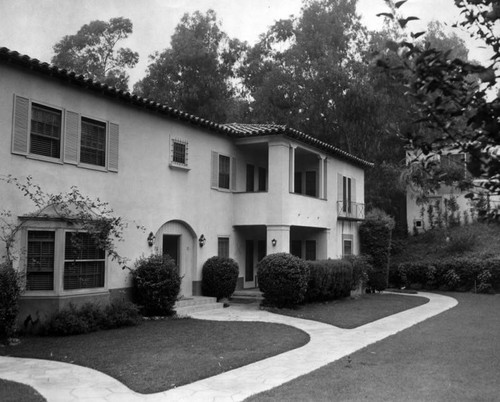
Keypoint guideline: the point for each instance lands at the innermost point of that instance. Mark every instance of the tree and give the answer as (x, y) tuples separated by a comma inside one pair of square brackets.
[(195, 74), (457, 100), (93, 52)]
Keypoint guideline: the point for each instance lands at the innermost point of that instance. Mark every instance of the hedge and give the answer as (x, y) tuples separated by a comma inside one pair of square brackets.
[(457, 273), (219, 277), (329, 280), (10, 291)]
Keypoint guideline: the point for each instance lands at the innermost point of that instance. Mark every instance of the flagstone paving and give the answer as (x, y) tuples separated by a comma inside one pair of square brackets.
[(64, 382)]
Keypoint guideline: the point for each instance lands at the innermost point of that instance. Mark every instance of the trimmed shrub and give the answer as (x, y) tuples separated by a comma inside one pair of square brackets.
[(282, 279), (157, 284), (121, 313), (361, 268), (219, 277), (375, 238), (328, 280), (10, 290)]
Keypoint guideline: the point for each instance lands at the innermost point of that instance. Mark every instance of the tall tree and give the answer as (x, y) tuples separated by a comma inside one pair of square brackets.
[(195, 74), (93, 52)]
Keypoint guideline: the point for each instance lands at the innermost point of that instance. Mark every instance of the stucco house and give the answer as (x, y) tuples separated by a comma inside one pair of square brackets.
[(199, 188)]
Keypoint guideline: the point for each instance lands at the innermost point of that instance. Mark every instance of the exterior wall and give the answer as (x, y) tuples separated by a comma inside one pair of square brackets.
[(147, 191)]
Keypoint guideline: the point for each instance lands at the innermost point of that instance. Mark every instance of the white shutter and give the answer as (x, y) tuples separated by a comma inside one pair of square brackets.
[(215, 170), (340, 192), (113, 147), (71, 137), (353, 190), (233, 174), (20, 126)]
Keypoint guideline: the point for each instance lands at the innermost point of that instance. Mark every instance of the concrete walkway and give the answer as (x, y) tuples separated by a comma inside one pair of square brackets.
[(66, 382)]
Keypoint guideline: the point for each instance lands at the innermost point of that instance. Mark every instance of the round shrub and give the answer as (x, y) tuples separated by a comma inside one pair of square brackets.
[(10, 291), (157, 284), (283, 279), (219, 277)]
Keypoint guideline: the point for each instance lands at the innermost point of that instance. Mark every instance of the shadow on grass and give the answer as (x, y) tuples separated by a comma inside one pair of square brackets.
[(11, 391)]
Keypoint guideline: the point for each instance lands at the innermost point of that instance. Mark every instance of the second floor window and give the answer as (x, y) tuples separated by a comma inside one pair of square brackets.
[(224, 171), (45, 138), (179, 152), (93, 142)]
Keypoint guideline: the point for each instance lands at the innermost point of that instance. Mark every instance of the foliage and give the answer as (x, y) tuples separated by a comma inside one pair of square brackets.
[(375, 239), (457, 101), (157, 284), (456, 273), (219, 277), (328, 280), (195, 74), (88, 215), (361, 269), (282, 279), (91, 317), (10, 290), (92, 52)]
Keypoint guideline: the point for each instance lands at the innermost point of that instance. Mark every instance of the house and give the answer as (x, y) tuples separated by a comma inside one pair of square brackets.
[(199, 188), (449, 204)]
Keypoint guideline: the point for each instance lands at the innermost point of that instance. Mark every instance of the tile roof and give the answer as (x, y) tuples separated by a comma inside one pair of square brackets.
[(234, 130)]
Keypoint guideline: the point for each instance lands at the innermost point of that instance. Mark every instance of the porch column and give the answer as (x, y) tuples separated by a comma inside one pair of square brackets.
[(292, 168), (278, 239), (321, 178)]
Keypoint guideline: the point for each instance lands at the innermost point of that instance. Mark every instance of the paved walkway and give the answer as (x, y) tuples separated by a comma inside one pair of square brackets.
[(67, 383)]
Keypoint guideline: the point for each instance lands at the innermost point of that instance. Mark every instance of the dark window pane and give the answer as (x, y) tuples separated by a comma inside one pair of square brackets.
[(311, 183), (40, 260), (250, 177), (262, 179), (310, 250), (223, 247), (224, 169), (93, 142), (45, 136), (179, 153)]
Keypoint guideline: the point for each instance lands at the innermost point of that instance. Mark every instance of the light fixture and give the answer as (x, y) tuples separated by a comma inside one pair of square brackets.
[(202, 240), (273, 242), (151, 239)]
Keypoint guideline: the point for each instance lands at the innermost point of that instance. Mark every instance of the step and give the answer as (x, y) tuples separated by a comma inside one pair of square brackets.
[(188, 310), (195, 301)]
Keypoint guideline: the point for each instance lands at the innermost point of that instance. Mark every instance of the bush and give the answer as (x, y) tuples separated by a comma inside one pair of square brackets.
[(157, 284), (328, 280), (282, 279), (375, 238), (10, 290), (219, 277), (361, 268), (91, 317)]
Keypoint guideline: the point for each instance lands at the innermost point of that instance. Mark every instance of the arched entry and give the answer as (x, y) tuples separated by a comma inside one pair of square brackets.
[(178, 239)]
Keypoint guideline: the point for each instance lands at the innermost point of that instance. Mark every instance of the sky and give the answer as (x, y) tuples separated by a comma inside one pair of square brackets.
[(32, 27)]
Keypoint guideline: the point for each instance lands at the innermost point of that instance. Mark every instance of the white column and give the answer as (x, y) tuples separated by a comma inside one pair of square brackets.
[(321, 178), (292, 168)]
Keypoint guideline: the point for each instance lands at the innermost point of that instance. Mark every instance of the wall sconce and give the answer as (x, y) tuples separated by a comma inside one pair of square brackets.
[(151, 239), (273, 242), (202, 240)]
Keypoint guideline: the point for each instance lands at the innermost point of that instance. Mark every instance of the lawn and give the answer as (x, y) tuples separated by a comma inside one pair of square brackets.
[(453, 356), (11, 391), (159, 355), (353, 312)]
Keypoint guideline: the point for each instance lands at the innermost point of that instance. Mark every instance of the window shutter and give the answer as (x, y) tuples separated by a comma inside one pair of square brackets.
[(215, 170), (233, 174), (71, 137), (113, 147), (353, 190), (340, 183), (325, 179), (21, 124)]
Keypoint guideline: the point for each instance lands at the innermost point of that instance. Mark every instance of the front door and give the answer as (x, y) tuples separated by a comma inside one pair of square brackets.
[(171, 247)]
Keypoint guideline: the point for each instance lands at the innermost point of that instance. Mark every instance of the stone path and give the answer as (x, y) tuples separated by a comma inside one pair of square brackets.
[(65, 382)]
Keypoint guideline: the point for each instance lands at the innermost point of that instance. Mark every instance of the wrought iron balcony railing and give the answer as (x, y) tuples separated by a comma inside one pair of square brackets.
[(350, 210)]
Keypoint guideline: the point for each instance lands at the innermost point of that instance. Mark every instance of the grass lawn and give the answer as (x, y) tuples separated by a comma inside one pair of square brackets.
[(11, 391), (159, 355), (453, 356), (354, 312)]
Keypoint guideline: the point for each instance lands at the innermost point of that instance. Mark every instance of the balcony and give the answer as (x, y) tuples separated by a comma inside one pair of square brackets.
[(350, 211)]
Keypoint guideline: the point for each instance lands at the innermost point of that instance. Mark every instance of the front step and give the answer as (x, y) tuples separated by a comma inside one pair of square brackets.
[(196, 304), (247, 296)]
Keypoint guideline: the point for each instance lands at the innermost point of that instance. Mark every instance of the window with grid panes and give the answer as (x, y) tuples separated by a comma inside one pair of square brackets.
[(223, 247), (84, 262), (93, 142), (179, 152), (224, 171), (40, 260), (45, 135)]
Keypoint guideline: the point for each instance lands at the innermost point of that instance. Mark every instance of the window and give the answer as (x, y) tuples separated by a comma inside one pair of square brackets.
[(224, 171), (347, 244), (310, 250), (179, 152), (223, 247), (84, 262), (262, 179), (40, 260), (250, 178), (311, 183), (45, 137), (93, 142)]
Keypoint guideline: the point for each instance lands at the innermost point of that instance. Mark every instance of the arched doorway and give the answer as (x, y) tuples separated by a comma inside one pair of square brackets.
[(177, 239)]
